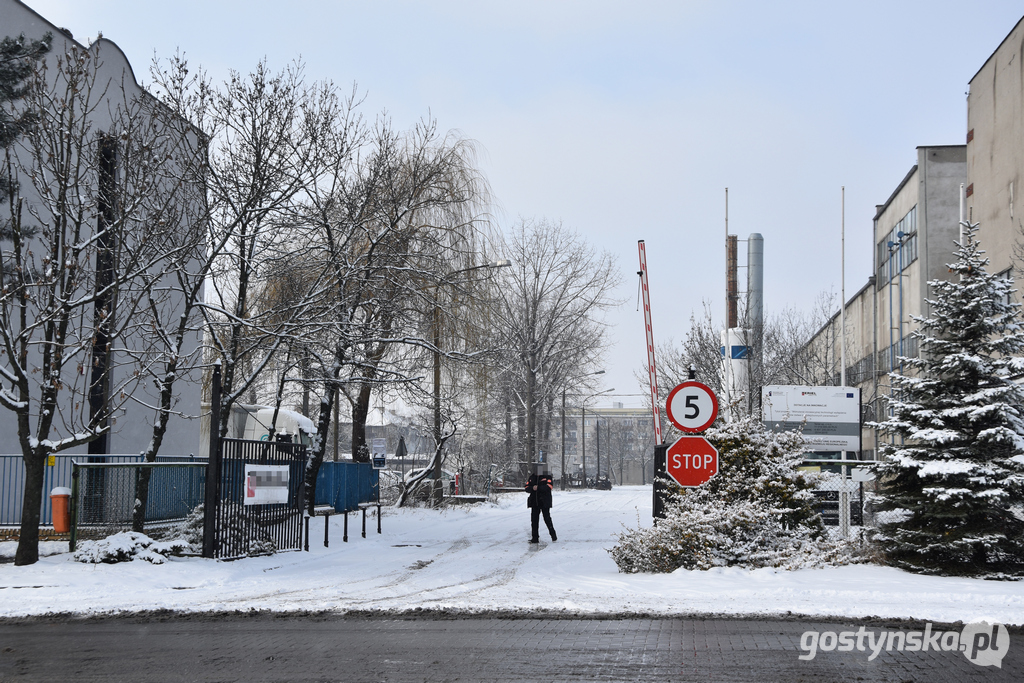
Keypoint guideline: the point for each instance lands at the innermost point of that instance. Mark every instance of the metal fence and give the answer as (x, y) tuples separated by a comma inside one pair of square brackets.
[(106, 497), (241, 530), (12, 480), (344, 485), (862, 498)]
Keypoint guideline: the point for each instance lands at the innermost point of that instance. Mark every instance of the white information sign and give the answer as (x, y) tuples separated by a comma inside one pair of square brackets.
[(829, 416), (266, 484), (378, 453)]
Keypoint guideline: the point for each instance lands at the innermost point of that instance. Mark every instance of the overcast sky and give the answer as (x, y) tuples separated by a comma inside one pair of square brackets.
[(627, 120)]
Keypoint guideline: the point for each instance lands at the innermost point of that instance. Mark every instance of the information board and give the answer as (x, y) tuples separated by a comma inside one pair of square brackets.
[(829, 416), (378, 454)]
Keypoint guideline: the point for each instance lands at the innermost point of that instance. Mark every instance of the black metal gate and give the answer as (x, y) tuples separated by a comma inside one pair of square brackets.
[(240, 529)]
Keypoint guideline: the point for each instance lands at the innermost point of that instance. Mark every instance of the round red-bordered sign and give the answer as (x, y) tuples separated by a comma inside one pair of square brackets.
[(691, 406)]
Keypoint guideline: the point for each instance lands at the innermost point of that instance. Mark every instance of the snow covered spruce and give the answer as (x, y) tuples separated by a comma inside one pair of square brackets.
[(756, 512), (183, 539), (126, 546), (953, 470)]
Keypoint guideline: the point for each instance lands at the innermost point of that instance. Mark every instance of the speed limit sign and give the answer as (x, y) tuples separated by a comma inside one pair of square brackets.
[(692, 406)]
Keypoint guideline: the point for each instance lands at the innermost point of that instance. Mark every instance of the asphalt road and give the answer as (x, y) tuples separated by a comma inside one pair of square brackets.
[(262, 647)]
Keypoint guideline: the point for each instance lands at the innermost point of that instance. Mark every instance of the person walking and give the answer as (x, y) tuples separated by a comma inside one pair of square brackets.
[(539, 487)]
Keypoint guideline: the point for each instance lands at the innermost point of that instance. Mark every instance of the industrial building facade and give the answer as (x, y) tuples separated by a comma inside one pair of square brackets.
[(915, 231)]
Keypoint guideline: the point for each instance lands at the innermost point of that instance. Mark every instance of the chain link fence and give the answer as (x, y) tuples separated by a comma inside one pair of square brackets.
[(862, 497), (154, 498)]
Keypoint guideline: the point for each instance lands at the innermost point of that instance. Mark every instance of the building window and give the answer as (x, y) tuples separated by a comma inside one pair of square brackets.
[(896, 252), (1008, 276)]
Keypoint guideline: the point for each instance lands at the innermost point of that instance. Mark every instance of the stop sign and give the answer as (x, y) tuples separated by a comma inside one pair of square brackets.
[(691, 461)]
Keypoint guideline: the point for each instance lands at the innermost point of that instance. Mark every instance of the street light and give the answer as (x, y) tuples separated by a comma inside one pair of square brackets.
[(599, 372), (438, 491)]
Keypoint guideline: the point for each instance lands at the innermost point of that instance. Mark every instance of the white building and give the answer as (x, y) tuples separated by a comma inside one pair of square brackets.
[(109, 89)]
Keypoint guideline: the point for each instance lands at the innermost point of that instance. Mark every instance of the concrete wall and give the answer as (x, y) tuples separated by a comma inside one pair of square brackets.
[(995, 150)]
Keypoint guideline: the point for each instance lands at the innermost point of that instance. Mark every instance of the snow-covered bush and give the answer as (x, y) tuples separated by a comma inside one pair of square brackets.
[(127, 546), (954, 465), (756, 512)]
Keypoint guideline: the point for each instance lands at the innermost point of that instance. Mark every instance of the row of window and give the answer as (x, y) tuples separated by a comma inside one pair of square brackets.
[(887, 361), (895, 253)]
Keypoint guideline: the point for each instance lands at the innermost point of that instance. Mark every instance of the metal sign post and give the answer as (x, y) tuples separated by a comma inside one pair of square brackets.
[(660, 483)]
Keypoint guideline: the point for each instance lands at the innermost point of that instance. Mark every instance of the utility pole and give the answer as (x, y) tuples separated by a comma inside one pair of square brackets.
[(563, 439), (583, 432)]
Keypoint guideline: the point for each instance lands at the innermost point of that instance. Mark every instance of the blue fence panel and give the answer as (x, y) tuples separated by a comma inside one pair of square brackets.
[(344, 485), (341, 484), (12, 481), (173, 494)]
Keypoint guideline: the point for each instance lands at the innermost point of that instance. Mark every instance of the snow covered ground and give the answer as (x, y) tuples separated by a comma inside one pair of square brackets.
[(477, 559)]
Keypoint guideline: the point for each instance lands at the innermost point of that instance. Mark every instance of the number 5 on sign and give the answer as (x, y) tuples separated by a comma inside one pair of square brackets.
[(692, 406)]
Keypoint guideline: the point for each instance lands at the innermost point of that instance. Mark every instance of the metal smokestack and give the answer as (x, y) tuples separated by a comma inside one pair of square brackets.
[(755, 288), (755, 311), (732, 286)]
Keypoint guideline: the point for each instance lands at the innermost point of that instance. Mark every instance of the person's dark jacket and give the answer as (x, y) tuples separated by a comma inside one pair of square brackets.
[(541, 498)]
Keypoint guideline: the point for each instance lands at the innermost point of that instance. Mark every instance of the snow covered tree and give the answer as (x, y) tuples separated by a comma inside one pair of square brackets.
[(955, 463), (758, 511)]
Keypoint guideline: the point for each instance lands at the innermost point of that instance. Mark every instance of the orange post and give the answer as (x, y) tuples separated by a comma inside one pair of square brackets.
[(60, 499)]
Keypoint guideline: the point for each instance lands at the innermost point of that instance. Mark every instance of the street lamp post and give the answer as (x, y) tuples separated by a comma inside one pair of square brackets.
[(564, 478), (438, 490)]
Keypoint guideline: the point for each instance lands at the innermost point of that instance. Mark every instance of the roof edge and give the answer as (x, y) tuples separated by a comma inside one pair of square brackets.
[(1007, 37), (895, 192), (94, 46)]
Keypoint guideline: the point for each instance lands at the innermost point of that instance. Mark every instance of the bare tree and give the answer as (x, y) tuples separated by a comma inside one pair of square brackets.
[(788, 356), (392, 216), (92, 223), (261, 130), (549, 313)]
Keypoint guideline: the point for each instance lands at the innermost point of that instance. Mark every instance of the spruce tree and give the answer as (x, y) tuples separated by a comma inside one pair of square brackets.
[(954, 468), (758, 511), (18, 57)]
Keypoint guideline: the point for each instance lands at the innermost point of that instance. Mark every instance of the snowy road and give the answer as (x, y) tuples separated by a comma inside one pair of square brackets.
[(476, 559)]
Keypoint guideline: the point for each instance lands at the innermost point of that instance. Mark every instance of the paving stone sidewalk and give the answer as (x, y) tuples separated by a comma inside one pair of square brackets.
[(264, 648)]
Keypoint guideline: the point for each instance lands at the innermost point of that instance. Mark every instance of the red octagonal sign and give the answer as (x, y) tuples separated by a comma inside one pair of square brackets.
[(691, 460)]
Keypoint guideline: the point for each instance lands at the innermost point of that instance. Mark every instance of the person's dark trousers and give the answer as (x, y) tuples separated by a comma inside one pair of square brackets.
[(535, 522)]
